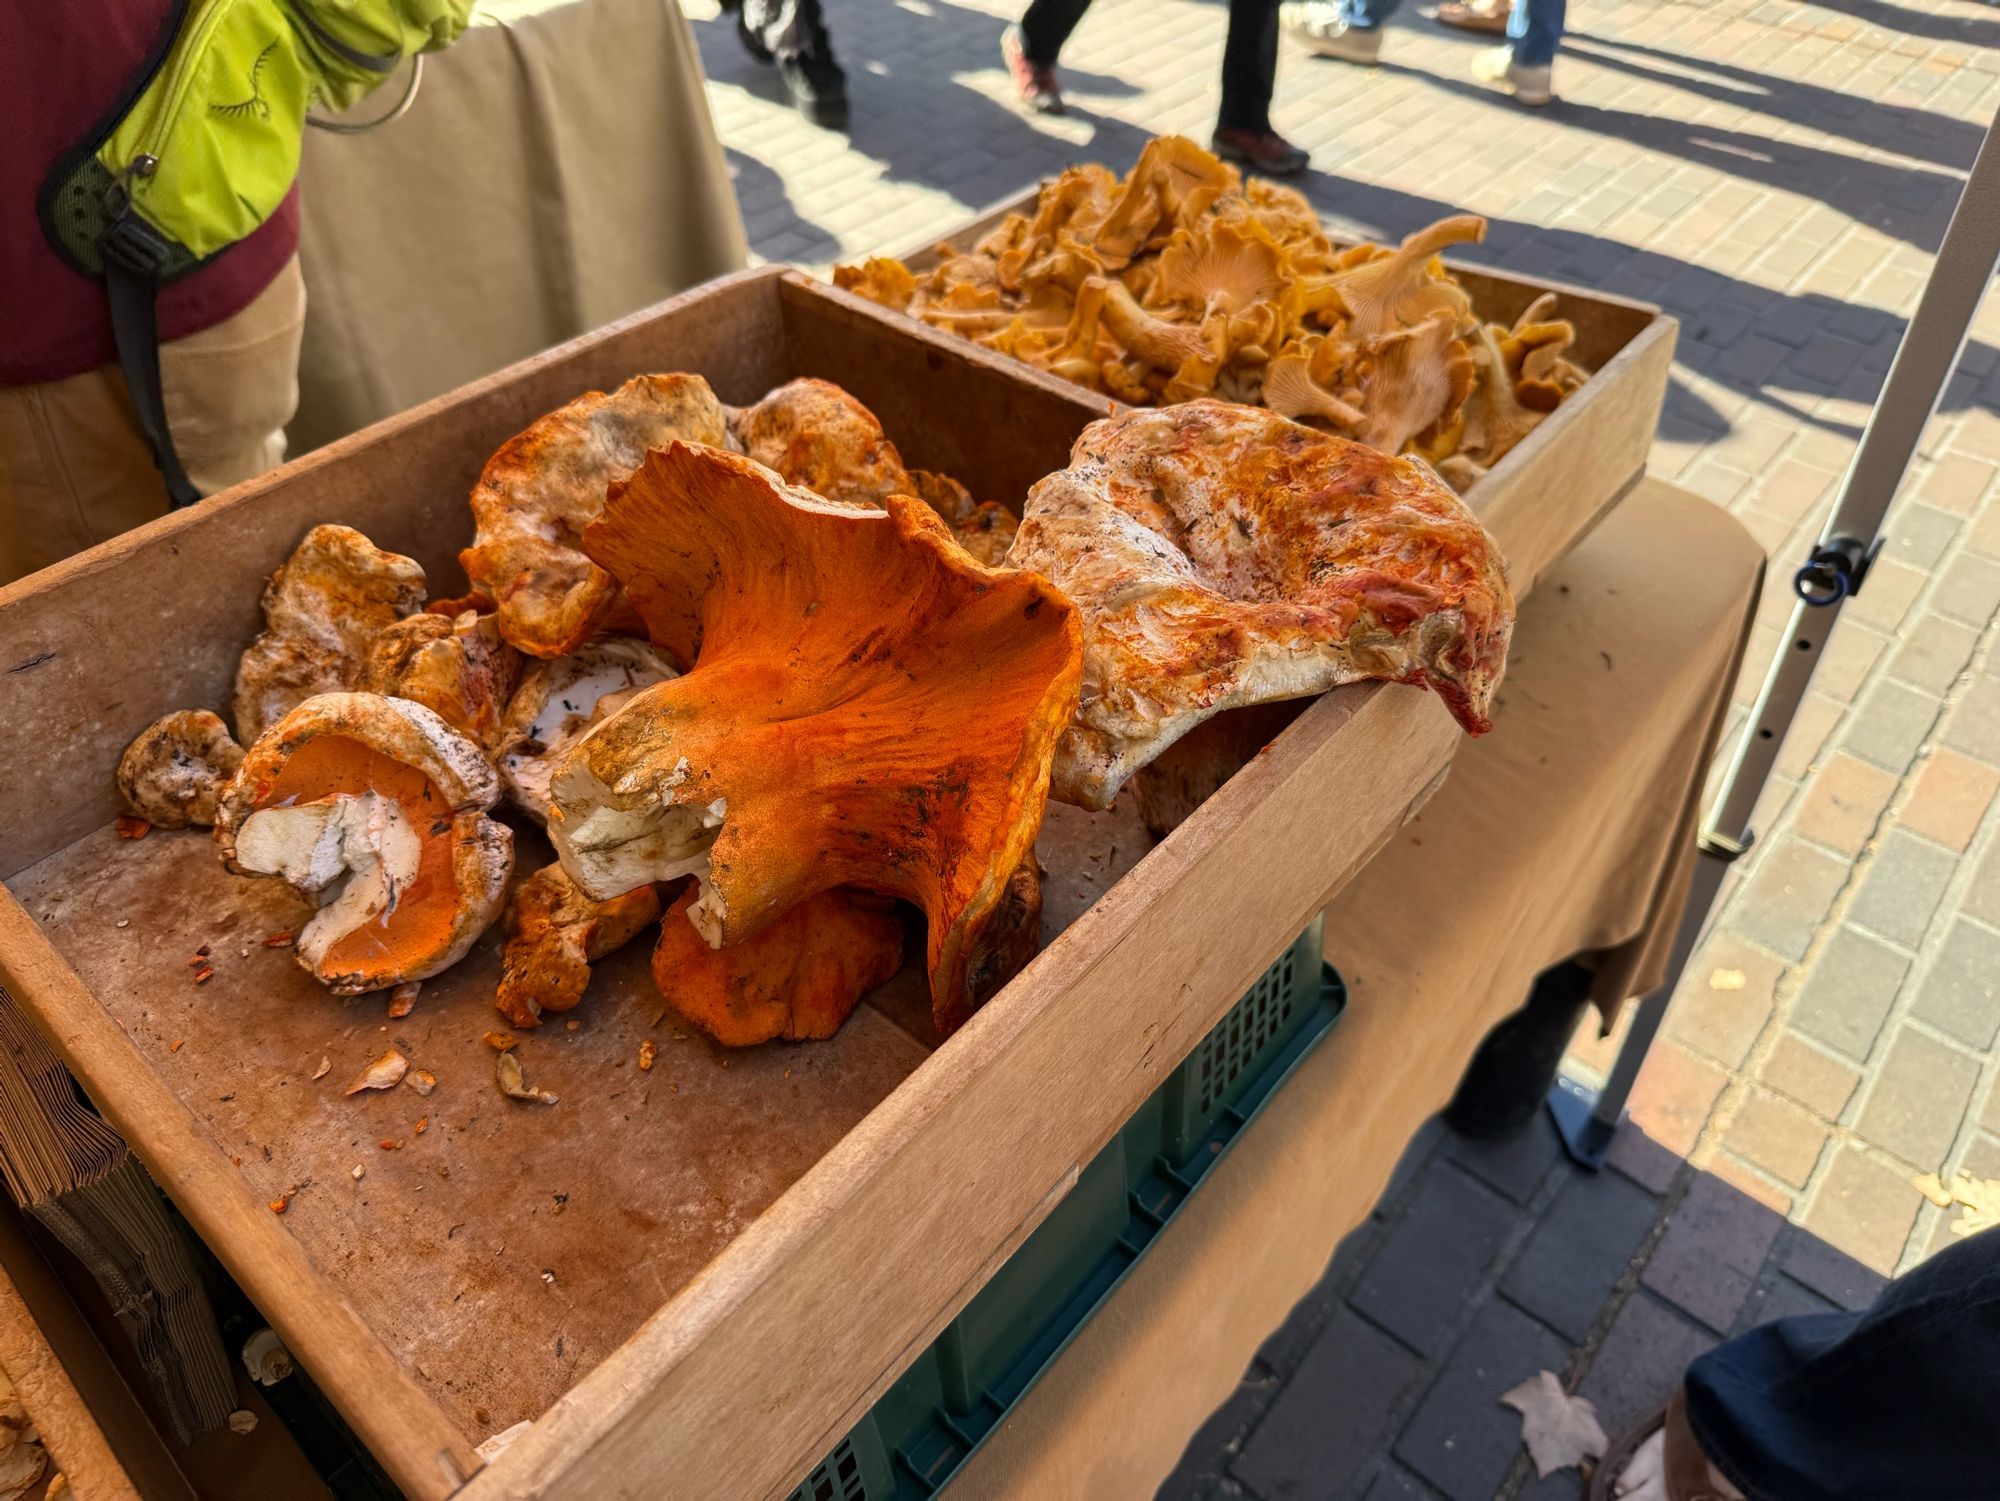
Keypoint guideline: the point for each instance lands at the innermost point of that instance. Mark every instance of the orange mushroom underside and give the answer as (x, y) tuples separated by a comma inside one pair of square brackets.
[(869, 706), (420, 925), (797, 978)]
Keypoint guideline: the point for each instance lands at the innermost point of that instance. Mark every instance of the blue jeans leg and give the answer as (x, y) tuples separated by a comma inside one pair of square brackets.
[(1535, 27), (1366, 15)]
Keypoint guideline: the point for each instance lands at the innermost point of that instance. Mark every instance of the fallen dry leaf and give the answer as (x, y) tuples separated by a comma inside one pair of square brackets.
[(1929, 1186), (422, 1080), (1981, 1198), (385, 1072), (507, 1072), (403, 999), (325, 1067), (648, 1051), (1561, 1431), (1727, 979)]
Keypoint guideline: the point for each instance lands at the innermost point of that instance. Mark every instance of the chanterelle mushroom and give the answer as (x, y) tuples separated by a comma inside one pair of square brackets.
[(555, 931), (322, 612), (374, 808), (546, 484), (1222, 556), (457, 666), (796, 979), (172, 775), (875, 710), (558, 700)]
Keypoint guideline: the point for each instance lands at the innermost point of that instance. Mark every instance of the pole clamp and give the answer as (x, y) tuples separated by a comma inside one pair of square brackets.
[(1722, 847), (1836, 570)]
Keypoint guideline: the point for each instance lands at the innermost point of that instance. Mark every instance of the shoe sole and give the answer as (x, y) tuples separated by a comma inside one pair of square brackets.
[(1034, 104), (1333, 50)]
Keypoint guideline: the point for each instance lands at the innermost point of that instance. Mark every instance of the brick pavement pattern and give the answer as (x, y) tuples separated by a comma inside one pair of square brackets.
[(1777, 174)]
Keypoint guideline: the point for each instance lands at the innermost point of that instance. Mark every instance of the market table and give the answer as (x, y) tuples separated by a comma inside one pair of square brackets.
[(1566, 832), (584, 119)]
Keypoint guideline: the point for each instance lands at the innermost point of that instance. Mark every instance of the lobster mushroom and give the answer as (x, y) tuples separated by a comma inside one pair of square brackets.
[(374, 809), (877, 710)]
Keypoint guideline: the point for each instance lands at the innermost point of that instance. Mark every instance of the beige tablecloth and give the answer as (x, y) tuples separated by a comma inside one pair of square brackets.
[(558, 170), (1559, 834)]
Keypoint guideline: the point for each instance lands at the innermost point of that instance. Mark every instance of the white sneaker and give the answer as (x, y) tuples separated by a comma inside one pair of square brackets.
[(1528, 85), (1318, 27)]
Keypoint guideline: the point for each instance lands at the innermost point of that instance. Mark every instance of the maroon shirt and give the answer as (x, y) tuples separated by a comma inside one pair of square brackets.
[(62, 67)]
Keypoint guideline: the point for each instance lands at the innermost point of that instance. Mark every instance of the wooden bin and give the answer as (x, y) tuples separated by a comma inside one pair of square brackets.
[(1592, 449), (695, 1279)]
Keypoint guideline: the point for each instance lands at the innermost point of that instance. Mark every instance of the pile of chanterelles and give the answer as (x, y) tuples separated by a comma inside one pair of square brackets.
[(1183, 281), (836, 645)]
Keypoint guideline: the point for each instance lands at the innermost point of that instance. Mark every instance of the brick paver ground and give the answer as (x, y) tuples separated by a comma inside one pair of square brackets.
[(1776, 174)]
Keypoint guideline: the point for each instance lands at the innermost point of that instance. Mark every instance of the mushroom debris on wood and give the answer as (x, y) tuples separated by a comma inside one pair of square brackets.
[(374, 809), (322, 612), (879, 712), (1222, 556)]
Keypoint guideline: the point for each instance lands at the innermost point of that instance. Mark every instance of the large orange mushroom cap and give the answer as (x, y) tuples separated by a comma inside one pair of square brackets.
[(1222, 556), (796, 979), (867, 706)]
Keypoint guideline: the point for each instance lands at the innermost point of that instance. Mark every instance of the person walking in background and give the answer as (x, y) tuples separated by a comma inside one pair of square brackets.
[(792, 34), (1351, 30), (1243, 132)]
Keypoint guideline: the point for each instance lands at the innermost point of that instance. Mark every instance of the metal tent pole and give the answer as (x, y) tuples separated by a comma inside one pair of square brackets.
[(1828, 579)]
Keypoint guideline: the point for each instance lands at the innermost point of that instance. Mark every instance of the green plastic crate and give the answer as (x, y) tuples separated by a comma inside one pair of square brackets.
[(958, 1390)]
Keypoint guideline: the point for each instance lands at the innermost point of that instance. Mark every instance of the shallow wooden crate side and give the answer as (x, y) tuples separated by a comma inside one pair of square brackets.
[(416, 1443), (827, 1295)]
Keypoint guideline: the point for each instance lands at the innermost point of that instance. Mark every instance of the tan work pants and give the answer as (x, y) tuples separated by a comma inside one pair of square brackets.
[(74, 467)]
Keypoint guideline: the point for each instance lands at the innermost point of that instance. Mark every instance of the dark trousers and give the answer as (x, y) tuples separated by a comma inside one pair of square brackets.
[(1900, 1403), (1249, 56)]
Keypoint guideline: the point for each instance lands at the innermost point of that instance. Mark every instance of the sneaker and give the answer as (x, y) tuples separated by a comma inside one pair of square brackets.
[(1488, 16), (1318, 27), (1261, 151), (1527, 83), (818, 88), (1034, 82), (752, 43)]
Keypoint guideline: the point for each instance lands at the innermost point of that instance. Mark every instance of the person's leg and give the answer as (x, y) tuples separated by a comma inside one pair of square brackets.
[(231, 389), (1350, 30), (1249, 67), (1897, 1401), (1046, 26), (1535, 29)]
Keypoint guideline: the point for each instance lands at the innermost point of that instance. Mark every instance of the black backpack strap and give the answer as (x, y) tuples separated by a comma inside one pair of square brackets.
[(131, 276)]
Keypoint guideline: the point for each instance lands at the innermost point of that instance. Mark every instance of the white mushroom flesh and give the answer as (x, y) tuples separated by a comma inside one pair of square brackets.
[(353, 854)]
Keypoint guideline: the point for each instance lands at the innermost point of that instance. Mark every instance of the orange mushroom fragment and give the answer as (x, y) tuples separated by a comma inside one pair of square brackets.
[(1222, 556), (322, 612), (812, 433), (546, 484), (555, 932), (878, 712), (174, 772), (797, 978), (375, 809), (458, 666)]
